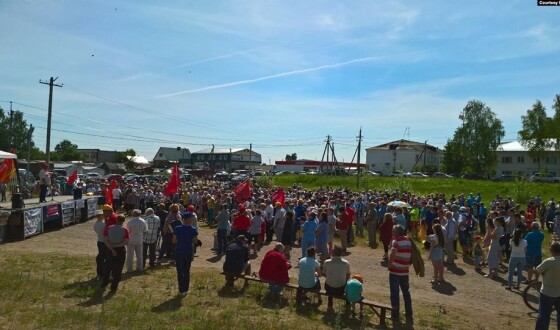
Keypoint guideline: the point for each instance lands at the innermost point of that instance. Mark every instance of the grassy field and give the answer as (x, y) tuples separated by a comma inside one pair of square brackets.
[(58, 292), (520, 191)]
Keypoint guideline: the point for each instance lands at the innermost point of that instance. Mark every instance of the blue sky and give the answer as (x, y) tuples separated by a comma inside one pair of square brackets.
[(279, 74)]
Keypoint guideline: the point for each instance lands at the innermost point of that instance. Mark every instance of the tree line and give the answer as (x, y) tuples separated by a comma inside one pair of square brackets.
[(472, 149)]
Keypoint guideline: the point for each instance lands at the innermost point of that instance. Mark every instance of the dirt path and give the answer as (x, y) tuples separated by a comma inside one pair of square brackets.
[(468, 300)]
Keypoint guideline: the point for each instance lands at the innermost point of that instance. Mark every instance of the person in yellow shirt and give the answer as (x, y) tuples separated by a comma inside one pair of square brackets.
[(414, 217), (211, 203)]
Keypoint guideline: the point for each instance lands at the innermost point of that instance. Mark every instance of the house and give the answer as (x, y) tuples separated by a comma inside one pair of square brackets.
[(98, 156), (113, 168), (166, 156), (515, 159), (402, 155), (66, 169), (228, 159), (312, 165)]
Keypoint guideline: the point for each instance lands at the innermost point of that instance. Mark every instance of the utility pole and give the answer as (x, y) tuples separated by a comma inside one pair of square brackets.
[(31, 128), (359, 149), (11, 136), (250, 157), (51, 85)]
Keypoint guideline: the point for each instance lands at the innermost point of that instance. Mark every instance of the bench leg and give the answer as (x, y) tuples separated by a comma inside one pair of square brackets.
[(382, 317), (361, 310)]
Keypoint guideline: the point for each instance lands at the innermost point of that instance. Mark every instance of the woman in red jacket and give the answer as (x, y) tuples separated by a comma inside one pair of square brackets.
[(274, 269), (386, 233)]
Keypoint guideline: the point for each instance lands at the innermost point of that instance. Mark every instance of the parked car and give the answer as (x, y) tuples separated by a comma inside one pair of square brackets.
[(472, 176), (441, 175), (544, 177), (93, 176), (116, 177), (507, 178), (416, 175)]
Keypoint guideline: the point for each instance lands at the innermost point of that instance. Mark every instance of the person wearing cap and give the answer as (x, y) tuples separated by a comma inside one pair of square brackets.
[(241, 222), (137, 227), (308, 229), (109, 216), (150, 237), (44, 182), (184, 237), (116, 239), (279, 220), (343, 223), (237, 260), (99, 228)]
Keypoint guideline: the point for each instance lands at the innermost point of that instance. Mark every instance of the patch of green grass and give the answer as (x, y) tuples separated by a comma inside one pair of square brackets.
[(520, 191), (58, 292)]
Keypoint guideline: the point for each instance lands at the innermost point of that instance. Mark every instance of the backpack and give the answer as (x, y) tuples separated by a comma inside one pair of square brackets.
[(416, 260)]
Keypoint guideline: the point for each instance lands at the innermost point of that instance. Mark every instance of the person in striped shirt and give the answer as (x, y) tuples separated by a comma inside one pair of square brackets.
[(399, 262)]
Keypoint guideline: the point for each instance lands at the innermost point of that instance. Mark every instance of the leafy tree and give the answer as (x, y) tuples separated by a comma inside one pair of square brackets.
[(474, 143), (291, 157), (18, 137), (535, 133), (554, 127), (66, 151), (122, 158)]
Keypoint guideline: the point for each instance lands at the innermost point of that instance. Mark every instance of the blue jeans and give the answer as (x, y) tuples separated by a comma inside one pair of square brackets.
[(183, 263), (222, 240), (42, 193), (396, 282), (545, 309), (275, 289), (515, 264)]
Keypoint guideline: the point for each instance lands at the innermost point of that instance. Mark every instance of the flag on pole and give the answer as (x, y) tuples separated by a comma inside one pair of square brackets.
[(7, 170), (109, 193), (243, 191), (72, 178), (174, 182), (279, 197)]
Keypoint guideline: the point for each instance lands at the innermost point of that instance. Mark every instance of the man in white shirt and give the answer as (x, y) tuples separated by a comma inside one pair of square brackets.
[(99, 227), (137, 227), (451, 229), (117, 198), (150, 237)]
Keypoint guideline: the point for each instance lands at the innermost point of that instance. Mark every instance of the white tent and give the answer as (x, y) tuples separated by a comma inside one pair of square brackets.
[(7, 155)]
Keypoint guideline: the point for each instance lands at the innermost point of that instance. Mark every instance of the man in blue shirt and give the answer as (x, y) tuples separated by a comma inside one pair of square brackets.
[(533, 255), (308, 230), (308, 277), (184, 238), (299, 210)]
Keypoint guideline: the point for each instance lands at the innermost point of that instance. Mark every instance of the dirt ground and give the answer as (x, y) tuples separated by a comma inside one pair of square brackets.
[(467, 301)]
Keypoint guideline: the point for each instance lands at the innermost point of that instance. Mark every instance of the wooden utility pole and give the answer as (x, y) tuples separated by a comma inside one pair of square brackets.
[(51, 85), (11, 134), (358, 163), (250, 158), (29, 136)]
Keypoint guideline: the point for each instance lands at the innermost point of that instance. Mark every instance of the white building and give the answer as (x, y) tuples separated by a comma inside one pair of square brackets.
[(514, 159), (402, 155)]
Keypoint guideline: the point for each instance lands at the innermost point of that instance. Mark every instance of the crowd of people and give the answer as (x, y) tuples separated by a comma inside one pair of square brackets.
[(323, 224)]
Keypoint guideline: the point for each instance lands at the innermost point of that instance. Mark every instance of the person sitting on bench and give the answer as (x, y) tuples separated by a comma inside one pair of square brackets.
[(308, 278), (274, 269), (237, 260), (337, 272)]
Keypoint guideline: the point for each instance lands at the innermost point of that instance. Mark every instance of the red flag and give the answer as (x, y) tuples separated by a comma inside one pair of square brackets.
[(243, 191), (7, 169), (279, 197), (108, 196), (174, 182), (72, 178)]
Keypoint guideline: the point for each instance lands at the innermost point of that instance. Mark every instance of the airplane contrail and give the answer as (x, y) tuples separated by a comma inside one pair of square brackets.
[(278, 75)]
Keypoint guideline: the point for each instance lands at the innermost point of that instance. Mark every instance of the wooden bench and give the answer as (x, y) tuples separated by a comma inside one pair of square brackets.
[(378, 308)]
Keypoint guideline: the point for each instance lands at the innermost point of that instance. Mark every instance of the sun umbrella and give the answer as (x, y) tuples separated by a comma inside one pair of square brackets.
[(399, 204)]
